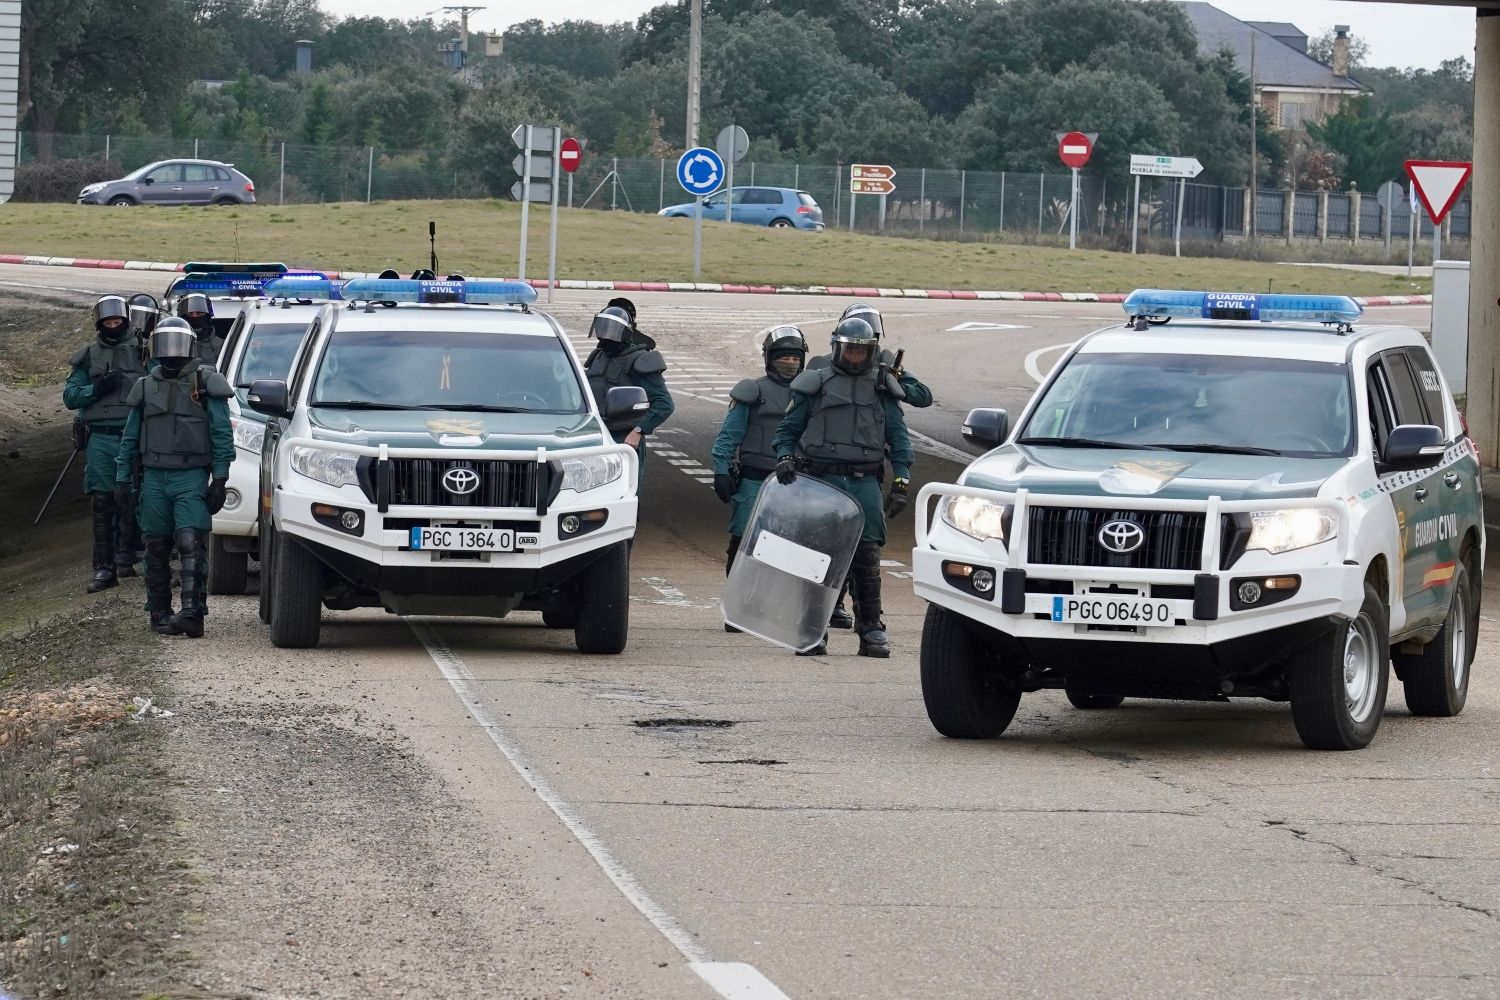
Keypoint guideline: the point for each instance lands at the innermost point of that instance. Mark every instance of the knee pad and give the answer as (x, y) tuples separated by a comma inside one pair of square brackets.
[(189, 542), (102, 503)]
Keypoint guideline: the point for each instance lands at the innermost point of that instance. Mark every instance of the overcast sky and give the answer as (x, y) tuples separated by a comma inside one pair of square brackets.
[(1399, 34)]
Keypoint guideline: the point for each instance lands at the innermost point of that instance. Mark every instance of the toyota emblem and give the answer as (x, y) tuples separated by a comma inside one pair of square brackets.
[(1121, 537), (460, 481)]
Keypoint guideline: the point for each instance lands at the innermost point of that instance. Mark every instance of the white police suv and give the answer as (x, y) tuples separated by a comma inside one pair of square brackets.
[(1229, 495), (435, 450), (263, 338)]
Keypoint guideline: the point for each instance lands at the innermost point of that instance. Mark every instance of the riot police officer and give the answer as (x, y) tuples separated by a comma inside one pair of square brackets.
[(917, 393), (103, 374), (742, 453), (625, 356), (196, 308), (178, 428), (846, 419)]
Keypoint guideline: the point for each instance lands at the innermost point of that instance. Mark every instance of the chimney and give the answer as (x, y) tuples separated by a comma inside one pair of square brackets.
[(304, 55), (1340, 50)]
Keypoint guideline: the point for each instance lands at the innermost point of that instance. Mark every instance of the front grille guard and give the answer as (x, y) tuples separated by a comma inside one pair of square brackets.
[(1016, 544), (548, 475)]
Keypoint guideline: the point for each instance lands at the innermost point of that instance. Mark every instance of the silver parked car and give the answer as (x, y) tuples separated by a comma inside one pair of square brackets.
[(174, 182)]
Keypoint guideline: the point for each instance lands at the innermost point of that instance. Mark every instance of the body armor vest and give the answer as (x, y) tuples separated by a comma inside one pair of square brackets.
[(122, 357), (766, 415), (847, 420), (174, 425), (606, 372), (207, 350)]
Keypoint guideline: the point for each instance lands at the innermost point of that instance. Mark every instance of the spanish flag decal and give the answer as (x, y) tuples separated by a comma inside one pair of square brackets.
[(1439, 575)]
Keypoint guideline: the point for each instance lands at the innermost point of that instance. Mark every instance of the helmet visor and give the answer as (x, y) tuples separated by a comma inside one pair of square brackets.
[(611, 324), (172, 342)]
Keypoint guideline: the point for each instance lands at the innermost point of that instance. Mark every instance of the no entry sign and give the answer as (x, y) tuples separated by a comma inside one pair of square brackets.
[(1075, 148), (570, 154)]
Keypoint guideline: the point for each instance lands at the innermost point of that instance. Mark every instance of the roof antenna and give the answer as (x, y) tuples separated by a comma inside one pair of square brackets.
[(432, 245)]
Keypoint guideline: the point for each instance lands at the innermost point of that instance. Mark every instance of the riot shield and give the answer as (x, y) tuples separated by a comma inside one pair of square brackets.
[(792, 562)]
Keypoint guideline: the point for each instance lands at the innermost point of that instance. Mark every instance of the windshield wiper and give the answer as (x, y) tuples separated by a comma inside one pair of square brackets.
[(479, 408), (365, 404), (1072, 442), (1220, 449)]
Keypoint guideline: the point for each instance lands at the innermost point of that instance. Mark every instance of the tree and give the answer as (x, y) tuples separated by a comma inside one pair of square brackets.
[(581, 49), (1372, 148)]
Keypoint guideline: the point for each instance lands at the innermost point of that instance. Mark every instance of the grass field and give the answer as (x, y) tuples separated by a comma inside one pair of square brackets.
[(481, 237)]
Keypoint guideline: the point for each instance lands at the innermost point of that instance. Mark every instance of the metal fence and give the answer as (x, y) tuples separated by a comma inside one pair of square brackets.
[(928, 201)]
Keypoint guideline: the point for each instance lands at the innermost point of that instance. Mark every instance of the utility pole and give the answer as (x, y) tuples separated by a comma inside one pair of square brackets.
[(1254, 128), (463, 38), (695, 72)]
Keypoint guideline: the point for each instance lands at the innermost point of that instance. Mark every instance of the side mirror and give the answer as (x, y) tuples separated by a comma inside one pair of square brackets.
[(148, 180), (1413, 446), (271, 397), (986, 428), (623, 404)]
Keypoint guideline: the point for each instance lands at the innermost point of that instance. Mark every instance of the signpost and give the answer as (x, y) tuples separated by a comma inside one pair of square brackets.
[(10, 55), (700, 171), (1075, 149), (539, 146), (870, 178), (1388, 197), (1181, 167), (732, 145), (1438, 183)]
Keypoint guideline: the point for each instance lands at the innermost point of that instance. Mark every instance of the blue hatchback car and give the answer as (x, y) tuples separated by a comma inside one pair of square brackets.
[(783, 208)]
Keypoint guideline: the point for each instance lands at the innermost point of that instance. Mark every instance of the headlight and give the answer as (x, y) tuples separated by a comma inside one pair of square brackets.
[(975, 517), (1278, 531), (247, 434), (89, 189), (336, 468), (591, 472)]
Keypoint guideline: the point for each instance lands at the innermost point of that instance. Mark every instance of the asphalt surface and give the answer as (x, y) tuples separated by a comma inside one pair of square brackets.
[(800, 827)]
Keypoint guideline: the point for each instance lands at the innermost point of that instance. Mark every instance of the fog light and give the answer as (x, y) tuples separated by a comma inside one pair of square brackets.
[(231, 499), (982, 580), (569, 524), (1249, 592), (1282, 583), (350, 520)]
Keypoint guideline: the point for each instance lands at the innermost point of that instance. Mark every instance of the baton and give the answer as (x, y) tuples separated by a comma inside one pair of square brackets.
[(60, 477)]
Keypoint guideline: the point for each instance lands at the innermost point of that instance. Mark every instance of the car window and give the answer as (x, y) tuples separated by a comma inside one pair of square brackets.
[(448, 370), (807, 199), (269, 350), (1382, 409), (1430, 385), (220, 174), (742, 196), (1299, 408), (232, 338), (169, 174), (764, 196), (196, 173), (1404, 393)]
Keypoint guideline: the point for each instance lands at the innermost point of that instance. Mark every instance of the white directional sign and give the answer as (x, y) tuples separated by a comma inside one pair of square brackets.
[(10, 55), (540, 167), (540, 191), (1165, 166), (544, 138)]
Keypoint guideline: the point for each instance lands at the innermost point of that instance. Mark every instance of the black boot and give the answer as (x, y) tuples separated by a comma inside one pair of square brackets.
[(102, 509), (734, 546), (126, 538), (864, 577), (159, 585), (191, 554), (841, 618), (821, 649)]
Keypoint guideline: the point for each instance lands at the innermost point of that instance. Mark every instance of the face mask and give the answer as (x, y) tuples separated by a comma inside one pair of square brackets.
[(172, 367), (787, 365), (112, 335)]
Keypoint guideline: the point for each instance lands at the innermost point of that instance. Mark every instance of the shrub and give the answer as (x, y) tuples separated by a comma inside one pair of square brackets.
[(60, 180)]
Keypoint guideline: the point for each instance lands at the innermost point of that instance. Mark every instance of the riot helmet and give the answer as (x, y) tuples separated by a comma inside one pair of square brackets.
[(144, 312), (173, 345), (625, 304), (389, 273), (854, 346), (611, 326), (455, 277), (111, 319), (198, 311), (423, 274), (785, 353), (868, 313)]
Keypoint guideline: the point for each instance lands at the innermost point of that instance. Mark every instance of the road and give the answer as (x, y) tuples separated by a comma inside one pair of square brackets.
[(705, 815)]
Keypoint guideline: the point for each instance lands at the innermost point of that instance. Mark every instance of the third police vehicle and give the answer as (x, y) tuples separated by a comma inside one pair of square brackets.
[(435, 450), (1229, 495)]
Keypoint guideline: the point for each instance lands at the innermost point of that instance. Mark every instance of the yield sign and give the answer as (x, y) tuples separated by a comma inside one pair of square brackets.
[(1438, 184)]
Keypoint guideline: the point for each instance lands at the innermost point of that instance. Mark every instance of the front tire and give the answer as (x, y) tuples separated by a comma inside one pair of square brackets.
[(1436, 680), (967, 697), (122, 201), (227, 571), (602, 615), (296, 596), (1338, 685)]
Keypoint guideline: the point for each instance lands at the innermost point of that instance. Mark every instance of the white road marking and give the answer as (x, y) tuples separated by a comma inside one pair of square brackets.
[(707, 482), (896, 563), (1032, 359), (682, 461), (671, 596), (731, 980), (937, 449), (975, 327)]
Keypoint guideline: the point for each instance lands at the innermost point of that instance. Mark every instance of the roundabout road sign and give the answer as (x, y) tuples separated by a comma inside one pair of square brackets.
[(700, 171)]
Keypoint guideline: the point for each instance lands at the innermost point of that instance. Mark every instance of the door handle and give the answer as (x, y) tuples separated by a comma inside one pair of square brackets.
[(1420, 494), (1453, 481)]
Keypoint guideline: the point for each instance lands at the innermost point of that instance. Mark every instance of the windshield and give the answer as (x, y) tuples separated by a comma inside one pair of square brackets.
[(1195, 402), (268, 352), (140, 172), (428, 369)]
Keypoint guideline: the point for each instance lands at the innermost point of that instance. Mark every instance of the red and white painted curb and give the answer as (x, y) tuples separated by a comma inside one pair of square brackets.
[(851, 291)]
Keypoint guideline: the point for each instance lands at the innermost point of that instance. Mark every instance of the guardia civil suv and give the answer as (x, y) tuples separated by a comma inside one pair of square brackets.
[(1226, 496), (436, 451)]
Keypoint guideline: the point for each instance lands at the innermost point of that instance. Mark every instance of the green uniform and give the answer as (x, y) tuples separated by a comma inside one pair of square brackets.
[(917, 393), (104, 413), (181, 443), (745, 442), (638, 364)]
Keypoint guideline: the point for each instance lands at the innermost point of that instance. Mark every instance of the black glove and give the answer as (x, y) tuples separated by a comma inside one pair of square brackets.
[(786, 469), (106, 383), (124, 496), (895, 500), (724, 486), (215, 495)]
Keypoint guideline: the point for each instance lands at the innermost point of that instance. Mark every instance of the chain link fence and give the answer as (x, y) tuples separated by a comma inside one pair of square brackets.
[(934, 202)]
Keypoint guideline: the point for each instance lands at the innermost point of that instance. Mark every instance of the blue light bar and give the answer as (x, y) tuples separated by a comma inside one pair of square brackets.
[(490, 293), (310, 285), (240, 284), (1154, 303)]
